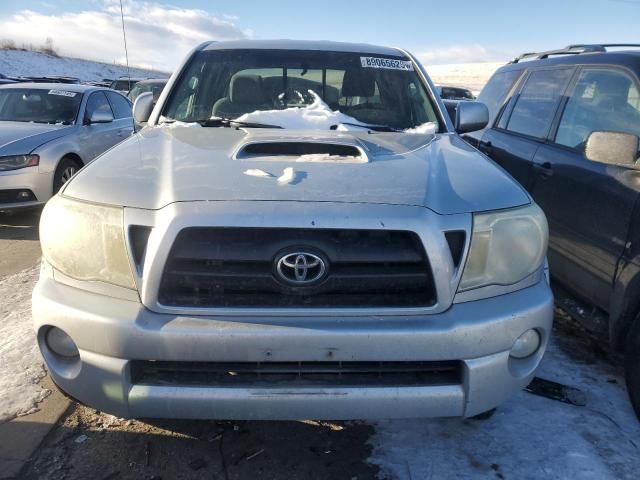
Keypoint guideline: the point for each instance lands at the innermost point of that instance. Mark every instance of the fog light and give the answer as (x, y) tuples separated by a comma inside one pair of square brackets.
[(526, 345), (60, 343)]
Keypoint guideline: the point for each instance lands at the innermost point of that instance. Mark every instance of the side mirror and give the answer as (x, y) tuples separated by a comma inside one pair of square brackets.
[(614, 148), (142, 107), (100, 117), (470, 116)]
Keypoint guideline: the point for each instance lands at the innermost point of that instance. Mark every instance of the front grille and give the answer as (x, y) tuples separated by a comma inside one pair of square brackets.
[(291, 374), (235, 267)]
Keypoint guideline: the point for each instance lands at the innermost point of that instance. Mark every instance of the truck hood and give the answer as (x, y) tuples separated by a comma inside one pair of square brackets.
[(176, 163), (19, 138)]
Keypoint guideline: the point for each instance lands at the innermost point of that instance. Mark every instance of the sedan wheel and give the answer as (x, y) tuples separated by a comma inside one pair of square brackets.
[(67, 168), (67, 173)]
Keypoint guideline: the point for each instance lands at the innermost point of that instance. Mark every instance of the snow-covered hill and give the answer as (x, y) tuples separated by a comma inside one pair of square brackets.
[(32, 64), (470, 75)]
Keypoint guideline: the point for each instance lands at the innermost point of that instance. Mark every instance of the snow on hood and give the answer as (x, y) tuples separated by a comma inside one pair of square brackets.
[(316, 116)]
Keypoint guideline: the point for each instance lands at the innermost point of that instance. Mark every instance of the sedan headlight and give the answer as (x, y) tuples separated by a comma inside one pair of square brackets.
[(506, 247), (86, 241), (13, 162)]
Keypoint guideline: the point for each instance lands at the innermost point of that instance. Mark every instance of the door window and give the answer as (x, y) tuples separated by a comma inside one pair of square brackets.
[(495, 92), (537, 102), (97, 103), (121, 106), (602, 100)]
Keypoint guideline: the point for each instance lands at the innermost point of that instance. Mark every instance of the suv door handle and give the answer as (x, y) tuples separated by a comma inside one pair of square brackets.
[(545, 169)]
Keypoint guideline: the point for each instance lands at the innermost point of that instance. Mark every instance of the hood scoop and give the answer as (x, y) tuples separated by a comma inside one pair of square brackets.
[(328, 152)]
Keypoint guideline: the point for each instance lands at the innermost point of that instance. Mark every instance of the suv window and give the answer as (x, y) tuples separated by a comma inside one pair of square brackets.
[(121, 106), (495, 92), (97, 103), (537, 102), (602, 100)]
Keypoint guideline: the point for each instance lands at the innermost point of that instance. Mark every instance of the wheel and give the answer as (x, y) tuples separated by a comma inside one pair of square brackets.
[(632, 366), (66, 169)]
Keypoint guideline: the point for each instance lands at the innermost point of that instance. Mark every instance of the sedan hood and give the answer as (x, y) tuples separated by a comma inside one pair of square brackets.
[(19, 138), (175, 163)]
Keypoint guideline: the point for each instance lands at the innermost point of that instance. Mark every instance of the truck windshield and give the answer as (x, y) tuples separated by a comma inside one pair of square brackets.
[(39, 105), (299, 88)]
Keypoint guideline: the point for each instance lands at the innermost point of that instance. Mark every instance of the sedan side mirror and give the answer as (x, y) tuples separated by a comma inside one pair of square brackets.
[(614, 148), (100, 117), (143, 106), (470, 116)]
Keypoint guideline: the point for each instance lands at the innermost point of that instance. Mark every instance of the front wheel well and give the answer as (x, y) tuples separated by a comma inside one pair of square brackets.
[(73, 156)]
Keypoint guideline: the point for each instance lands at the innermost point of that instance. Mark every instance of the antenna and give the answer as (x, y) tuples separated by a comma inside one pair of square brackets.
[(126, 52)]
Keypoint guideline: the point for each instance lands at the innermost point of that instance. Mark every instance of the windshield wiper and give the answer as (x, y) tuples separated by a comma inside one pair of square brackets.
[(230, 122), (375, 128)]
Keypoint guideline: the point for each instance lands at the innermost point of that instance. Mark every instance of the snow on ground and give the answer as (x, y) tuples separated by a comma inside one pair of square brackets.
[(469, 75), (20, 363), (17, 63), (529, 437)]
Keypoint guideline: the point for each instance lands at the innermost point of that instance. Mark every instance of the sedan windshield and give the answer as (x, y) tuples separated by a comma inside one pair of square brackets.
[(301, 89), (39, 105)]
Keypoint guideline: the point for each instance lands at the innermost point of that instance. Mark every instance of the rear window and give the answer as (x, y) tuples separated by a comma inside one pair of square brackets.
[(537, 102), (121, 106), (495, 92)]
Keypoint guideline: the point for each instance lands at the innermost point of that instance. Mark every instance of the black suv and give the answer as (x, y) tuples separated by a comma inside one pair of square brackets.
[(565, 124)]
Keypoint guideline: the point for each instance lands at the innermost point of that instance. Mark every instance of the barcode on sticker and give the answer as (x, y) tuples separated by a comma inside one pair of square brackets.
[(388, 63), (62, 93)]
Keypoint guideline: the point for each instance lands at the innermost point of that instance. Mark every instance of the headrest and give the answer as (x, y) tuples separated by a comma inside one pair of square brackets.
[(246, 89), (358, 83)]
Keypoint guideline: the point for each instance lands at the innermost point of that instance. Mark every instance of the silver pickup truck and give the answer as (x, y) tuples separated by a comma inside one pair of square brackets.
[(298, 232)]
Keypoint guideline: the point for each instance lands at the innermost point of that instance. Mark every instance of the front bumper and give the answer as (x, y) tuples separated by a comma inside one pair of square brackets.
[(111, 332), (30, 178)]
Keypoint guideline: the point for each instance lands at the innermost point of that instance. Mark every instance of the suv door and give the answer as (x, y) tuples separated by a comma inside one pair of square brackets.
[(525, 122), (97, 137), (589, 204)]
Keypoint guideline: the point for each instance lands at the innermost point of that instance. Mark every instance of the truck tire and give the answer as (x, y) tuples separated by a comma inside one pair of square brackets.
[(632, 366)]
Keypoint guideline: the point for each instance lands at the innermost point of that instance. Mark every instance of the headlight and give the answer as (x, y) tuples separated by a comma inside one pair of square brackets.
[(86, 241), (13, 162), (506, 247)]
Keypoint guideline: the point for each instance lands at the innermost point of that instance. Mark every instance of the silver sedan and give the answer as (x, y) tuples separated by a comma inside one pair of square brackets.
[(50, 131)]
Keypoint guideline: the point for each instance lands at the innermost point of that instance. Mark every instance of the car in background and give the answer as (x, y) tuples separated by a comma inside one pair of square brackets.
[(50, 131), (454, 93), (154, 86), (308, 241), (566, 125), (124, 84)]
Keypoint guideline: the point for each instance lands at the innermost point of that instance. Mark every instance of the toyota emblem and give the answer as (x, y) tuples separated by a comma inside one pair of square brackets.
[(300, 268)]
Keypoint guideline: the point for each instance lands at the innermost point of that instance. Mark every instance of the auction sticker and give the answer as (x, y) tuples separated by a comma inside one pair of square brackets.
[(387, 63), (62, 93)]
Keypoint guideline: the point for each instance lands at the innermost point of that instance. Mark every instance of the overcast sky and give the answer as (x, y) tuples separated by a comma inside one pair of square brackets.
[(161, 32)]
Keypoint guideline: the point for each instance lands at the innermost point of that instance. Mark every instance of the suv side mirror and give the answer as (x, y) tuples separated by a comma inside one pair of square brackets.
[(143, 107), (615, 148), (470, 116), (100, 117)]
